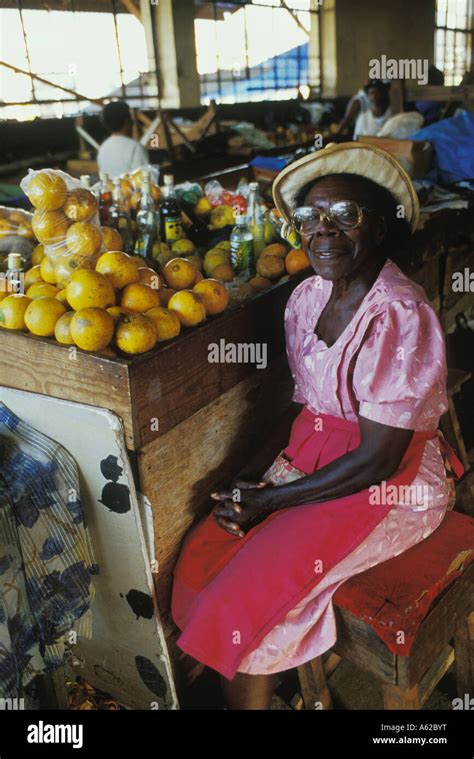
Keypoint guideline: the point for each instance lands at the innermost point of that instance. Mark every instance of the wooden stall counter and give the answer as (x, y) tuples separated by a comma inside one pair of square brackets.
[(190, 422)]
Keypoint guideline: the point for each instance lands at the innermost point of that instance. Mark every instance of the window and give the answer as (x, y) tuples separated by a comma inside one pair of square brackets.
[(454, 38), (97, 55), (256, 50)]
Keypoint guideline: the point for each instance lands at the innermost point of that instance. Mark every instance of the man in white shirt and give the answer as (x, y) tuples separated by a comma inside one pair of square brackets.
[(119, 153)]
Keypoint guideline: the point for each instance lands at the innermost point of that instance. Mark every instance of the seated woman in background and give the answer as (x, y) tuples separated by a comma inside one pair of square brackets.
[(254, 581), (369, 109)]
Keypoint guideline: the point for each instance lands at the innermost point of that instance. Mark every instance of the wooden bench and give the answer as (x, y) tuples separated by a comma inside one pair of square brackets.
[(445, 635)]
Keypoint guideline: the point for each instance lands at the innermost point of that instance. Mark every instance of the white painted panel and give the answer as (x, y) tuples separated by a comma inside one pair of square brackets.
[(126, 655)]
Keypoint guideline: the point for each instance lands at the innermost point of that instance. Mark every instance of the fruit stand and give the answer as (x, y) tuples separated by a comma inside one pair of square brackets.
[(188, 424)]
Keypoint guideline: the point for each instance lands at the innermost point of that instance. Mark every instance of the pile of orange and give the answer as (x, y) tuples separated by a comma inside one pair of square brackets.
[(120, 303)]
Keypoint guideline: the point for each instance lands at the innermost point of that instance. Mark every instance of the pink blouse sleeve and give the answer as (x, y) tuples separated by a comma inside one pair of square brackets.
[(399, 376)]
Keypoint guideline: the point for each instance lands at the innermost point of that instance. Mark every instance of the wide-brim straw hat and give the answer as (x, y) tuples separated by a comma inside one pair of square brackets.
[(351, 158)]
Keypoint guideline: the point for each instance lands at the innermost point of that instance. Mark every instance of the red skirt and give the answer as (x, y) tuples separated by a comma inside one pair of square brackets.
[(229, 592)]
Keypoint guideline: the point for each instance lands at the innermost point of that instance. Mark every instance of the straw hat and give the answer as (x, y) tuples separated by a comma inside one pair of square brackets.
[(352, 158)]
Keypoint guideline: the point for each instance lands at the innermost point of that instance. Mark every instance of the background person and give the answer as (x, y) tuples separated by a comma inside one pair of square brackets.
[(120, 153)]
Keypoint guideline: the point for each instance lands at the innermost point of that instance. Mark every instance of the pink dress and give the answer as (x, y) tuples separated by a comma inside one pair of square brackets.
[(389, 366)]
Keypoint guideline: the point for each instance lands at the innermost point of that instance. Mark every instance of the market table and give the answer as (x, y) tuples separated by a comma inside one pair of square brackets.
[(189, 424)]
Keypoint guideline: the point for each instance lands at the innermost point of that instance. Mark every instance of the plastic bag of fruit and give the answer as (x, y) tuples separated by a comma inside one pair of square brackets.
[(65, 221), (16, 235), (131, 185), (14, 222)]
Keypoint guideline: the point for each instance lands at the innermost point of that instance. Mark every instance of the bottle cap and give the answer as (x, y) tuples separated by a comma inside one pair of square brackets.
[(14, 261), (253, 185)]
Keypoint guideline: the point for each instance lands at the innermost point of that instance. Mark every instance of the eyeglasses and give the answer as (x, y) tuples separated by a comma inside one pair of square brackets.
[(344, 214)]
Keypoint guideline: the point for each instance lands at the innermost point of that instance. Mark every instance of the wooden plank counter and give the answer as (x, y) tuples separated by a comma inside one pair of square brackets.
[(190, 424)]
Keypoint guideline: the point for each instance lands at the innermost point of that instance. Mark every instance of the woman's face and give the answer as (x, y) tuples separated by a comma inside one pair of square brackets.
[(334, 253)]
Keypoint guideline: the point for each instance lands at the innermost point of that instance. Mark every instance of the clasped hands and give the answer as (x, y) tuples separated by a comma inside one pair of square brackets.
[(243, 506)]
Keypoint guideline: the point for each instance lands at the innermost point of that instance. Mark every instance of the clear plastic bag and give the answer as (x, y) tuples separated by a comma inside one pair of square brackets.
[(65, 221), (14, 222), (16, 234)]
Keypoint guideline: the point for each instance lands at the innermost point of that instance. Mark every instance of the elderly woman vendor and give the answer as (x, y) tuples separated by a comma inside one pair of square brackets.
[(254, 581)]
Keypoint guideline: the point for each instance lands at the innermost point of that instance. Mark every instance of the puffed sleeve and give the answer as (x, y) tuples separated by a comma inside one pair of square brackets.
[(399, 376)]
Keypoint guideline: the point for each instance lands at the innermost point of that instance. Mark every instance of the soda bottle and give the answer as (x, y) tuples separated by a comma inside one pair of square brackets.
[(255, 220), (172, 227), (105, 199), (241, 247), (119, 217)]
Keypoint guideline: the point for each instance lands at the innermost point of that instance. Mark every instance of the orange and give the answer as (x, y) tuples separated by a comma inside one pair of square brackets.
[(179, 274), (92, 329), (25, 230), (84, 238), (42, 290), (135, 333), (149, 277), (18, 217), (38, 254), (117, 311), (189, 307), (166, 322), (165, 294), (80, 205), (47, 271), (62, 329), (42, 314), (139, 298), (47, 191), (111, 238), (214, 295), (7, 228), (68, 264), (223, 272), (296, 260), (62, 297), (202, 207), (260, 283), (33, 275), (196, 260), (270, 267), (120, 268), (127, 187), (12, 311), (89, 289), (50, 227), (199, 276), (275, 249)]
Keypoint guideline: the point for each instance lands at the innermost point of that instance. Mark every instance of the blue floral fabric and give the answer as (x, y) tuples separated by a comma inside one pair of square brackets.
[(46, 558)]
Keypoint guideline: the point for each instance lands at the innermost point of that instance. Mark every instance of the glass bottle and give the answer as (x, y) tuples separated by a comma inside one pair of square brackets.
[(242, 248), (119, 216), (255, 220), (147, 223), (105, 199), (15, 276), (172, 227)]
